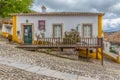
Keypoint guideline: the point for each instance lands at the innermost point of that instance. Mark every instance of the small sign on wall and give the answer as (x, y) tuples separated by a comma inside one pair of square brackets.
[(41, 24)]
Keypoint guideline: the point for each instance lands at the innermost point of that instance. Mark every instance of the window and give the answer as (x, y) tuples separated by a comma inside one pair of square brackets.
[(87, 30), (57, 30)]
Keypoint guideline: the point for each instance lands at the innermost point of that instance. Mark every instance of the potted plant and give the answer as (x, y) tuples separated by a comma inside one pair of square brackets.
[(9, 37)]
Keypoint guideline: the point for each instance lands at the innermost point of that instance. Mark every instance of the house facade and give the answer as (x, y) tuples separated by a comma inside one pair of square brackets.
[(54, 24), (6, 28)]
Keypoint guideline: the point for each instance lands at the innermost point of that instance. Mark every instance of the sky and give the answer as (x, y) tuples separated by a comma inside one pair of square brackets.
[(111, 8)]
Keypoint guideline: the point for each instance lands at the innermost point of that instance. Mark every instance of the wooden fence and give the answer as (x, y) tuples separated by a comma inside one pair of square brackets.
[(82, 42)]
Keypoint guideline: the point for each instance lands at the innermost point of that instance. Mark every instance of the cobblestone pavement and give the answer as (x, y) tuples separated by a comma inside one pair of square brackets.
[(11, 73), (110, 70)]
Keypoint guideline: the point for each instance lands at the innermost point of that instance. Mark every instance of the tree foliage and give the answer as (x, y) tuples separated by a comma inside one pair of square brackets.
[(14, 6)]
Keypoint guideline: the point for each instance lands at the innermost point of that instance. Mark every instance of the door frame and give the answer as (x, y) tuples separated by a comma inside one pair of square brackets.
[(22, 31), (61, 29)]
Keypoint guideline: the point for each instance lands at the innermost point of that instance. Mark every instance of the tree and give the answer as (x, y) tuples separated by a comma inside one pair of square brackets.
[(14, 6)]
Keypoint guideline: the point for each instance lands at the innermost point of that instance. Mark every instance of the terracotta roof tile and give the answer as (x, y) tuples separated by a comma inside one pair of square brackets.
[(106, 35), (115, 37)]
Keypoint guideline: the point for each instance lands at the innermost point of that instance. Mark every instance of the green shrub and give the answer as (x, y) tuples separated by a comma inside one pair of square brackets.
[(71, 37), (113, 51), (48, 51)]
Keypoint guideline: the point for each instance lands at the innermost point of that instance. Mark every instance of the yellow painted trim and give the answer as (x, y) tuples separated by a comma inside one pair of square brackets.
[(14, 36), (99, 26), (117, 59), (14, 31), (108, 56), (4, 34), (99, 29), (91, 55), (35, 42)]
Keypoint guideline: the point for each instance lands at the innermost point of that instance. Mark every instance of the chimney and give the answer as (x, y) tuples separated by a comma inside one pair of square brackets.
[(43, 9)]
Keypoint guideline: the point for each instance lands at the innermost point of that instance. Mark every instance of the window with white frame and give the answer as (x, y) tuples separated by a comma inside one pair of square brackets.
[(87, 30), (57, 30)]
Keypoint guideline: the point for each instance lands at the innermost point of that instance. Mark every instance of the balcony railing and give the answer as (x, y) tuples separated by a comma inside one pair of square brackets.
[(63, 42)]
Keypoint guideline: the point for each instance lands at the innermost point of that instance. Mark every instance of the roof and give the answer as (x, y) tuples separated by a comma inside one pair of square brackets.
[(6, 21), (107, 35), (56, 14), (114, 37)]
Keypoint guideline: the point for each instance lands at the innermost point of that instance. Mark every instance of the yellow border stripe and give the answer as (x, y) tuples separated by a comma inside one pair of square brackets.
[(14, 28), (99, 26)]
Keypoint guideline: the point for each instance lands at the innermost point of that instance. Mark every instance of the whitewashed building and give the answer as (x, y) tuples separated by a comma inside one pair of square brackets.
[(6, 28), (54, 24)]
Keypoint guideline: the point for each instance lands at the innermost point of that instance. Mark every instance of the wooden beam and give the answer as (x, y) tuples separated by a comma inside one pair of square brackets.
[(87, 53), (102, 55), (61, 49), (96, 53), (102, 49)]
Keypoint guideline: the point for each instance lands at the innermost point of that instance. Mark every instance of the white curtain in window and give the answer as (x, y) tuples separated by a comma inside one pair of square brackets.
[(87, 30), (57, 31)]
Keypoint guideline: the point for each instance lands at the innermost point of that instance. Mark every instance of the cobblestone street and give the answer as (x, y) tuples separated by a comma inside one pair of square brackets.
[(59, 40), (94, 69), (11, 73)]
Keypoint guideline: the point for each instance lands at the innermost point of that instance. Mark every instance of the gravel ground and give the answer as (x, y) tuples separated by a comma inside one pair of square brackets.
[(110, 70)]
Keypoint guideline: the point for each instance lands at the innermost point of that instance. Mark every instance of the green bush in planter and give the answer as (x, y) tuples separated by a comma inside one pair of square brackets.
[(71, 37)]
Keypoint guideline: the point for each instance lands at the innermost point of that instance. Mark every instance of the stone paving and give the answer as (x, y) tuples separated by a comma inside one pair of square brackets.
[(93, 70), (12, 73), (42, 71)]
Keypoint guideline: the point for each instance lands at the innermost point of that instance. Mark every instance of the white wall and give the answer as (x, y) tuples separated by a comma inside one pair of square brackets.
[(69, 22), (107, 46), (5, 29)]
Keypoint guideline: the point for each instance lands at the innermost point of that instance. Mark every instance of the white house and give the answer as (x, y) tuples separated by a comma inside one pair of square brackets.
[(54, 24), (6, 28)]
